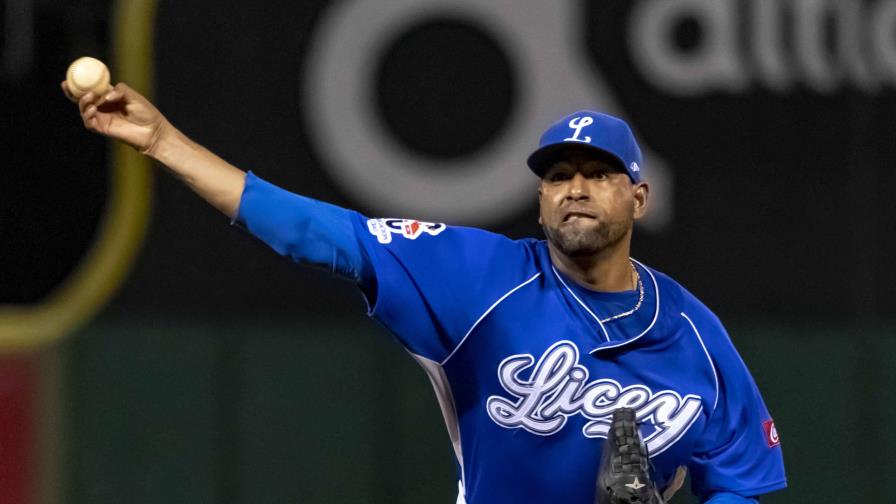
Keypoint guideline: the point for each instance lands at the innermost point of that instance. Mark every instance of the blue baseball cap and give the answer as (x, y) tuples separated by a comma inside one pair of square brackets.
[(586, 128)]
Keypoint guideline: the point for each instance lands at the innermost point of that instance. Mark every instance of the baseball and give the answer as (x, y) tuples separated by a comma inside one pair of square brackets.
[(87, 74)]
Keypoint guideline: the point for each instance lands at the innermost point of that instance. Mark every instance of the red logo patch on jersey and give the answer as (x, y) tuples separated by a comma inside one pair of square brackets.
[(771, 433), (411, 228)]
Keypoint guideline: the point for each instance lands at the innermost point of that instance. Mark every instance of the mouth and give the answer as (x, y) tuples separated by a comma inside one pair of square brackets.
[(578, 215)]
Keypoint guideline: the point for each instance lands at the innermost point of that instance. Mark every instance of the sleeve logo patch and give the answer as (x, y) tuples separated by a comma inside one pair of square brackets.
[(771, 433), (383, 229)]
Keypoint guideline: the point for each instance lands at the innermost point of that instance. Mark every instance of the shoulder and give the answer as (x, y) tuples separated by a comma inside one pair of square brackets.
[(441, 256), (401, 230), (710, 330), (681, 307), (674, 298)]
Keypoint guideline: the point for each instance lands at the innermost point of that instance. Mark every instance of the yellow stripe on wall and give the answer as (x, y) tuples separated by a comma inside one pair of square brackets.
[(104, 268), (124, 222)]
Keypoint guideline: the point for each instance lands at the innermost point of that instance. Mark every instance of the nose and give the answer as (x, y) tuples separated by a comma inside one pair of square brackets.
[(578, 187)]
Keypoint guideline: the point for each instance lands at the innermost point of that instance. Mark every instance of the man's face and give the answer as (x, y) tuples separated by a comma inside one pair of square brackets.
[(588, 204)]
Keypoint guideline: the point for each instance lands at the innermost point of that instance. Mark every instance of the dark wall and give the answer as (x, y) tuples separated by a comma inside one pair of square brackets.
[(54, 177), (779, 197), (769, 151)]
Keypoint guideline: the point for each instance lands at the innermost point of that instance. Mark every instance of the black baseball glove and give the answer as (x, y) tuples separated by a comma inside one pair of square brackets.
[(624, 474)]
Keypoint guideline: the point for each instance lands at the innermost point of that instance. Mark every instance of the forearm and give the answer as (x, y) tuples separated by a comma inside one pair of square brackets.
[(212, 178), (306, 230)]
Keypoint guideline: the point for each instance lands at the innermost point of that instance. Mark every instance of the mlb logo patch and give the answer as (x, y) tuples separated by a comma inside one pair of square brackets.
[(383, 229), (771, 433)]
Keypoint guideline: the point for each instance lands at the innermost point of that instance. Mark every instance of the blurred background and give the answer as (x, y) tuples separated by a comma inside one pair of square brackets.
[(154, 353)]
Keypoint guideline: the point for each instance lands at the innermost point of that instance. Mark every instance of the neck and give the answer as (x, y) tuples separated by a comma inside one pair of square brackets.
[(609, 270)]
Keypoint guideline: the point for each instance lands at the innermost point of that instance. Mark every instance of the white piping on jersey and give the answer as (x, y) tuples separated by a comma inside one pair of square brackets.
[(656, 311), (595, 317), (446, 403), (461, 493), (492, 307), (711, 365)]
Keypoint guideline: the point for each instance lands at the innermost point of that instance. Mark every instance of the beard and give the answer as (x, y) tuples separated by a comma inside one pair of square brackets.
[(580, 241)]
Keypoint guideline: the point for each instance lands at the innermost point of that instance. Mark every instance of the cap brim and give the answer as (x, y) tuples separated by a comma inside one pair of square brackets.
[(540, 160)]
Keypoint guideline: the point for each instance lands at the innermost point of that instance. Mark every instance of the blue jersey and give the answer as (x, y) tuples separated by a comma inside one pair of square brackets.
[(527, 371)]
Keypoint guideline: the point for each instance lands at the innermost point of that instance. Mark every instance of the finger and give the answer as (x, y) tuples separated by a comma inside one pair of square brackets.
[(86, 101), (110, 97), (121, 91), (102, 99), (68, 92), (130, 95), (116, 94), (90, 112), (90, 124)]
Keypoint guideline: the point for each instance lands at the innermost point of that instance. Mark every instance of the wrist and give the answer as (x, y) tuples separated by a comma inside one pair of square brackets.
[(169, 146), (162, 141)]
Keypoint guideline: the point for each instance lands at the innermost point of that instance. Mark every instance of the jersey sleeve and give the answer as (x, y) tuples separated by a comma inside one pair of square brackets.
[(431, 282), (306, 230), (739, 450)]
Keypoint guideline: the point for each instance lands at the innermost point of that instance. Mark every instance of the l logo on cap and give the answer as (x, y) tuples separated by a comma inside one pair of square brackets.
[(578, 124)]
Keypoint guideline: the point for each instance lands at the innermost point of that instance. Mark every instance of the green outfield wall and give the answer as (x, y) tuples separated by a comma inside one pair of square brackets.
[(249, 411)]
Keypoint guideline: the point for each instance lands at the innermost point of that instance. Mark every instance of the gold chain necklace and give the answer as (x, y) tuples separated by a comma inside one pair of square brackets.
[(640, 297)]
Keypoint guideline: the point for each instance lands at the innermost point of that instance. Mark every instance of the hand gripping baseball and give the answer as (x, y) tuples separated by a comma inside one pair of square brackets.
[(624, 474), (123, 114)]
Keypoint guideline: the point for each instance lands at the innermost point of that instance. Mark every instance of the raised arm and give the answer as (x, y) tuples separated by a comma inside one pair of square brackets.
[(124, 114), (303, 229)]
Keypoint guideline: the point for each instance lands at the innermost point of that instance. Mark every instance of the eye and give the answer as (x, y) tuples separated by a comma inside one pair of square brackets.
[(558, 176), (598, 174)]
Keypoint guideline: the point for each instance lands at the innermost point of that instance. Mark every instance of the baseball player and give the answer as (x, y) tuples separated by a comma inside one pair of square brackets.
[(531, 345)]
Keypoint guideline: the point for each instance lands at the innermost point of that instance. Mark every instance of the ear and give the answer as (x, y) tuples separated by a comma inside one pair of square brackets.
[(540, 194), (640, 192)]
